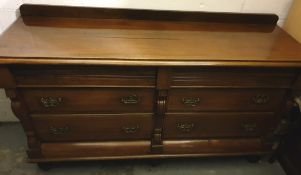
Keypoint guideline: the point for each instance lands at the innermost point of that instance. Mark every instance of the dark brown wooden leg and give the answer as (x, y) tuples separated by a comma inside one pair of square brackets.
[(273, 158), (44, 166), (254, 159)]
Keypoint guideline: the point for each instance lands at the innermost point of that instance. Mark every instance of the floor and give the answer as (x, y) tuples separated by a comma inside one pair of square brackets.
[(13, 162)]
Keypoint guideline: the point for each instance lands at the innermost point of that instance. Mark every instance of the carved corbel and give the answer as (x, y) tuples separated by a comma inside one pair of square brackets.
[(157, 143), (163, 84), (19, 108)]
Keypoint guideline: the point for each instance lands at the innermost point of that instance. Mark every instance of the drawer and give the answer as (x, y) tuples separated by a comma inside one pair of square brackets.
[(95, 150), (216, 147), (92, 127), (224, 99), (232, 77), (83, 76), (88, 100), (205, 125)]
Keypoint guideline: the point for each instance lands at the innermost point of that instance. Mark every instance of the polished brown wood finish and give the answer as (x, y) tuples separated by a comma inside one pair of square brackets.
[(80, 76), (151, 46), (221, 146), (218, 125), (196, 100), (79, 17), (97, 84), (102, 13), (67, 128), (7, 79), (231, 78), (139, 149), (95, 149), (21, 111), (90, 100)]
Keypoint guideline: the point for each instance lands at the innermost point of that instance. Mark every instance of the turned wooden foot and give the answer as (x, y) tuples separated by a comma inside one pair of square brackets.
[(273, 158), (44, 166), (254, 159)]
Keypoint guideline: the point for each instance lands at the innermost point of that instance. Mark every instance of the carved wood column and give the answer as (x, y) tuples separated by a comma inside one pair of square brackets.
[(163, 84), (275, 139), (20, 110)]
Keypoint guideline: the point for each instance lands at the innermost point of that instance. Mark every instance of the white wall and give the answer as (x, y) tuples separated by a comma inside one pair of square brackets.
[(9, 12)]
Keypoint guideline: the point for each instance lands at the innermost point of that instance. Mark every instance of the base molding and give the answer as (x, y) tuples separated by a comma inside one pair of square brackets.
[(157, 156)]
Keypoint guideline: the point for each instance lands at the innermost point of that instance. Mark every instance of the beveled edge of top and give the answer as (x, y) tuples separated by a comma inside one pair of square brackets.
[(157, 63)]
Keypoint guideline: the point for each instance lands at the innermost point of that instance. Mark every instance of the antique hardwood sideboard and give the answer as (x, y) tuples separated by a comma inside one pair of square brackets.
[(96, 84)]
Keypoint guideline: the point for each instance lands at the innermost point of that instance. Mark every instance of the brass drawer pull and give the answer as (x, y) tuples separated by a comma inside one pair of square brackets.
[(132, 99), (59, 130), (261, 99), (185, 127), (50, 102), (191, 101), (130, 130), (249, 127)]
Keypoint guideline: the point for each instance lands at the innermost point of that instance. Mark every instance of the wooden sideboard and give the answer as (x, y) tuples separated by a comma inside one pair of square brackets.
[(96, 84)]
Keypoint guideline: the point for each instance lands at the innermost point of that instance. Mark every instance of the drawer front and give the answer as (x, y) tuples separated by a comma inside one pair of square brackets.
[(88, 100), (83, 76), (204, 125), (216, 147), (224, 99), (231, 77), (92, 127), (92, 150)]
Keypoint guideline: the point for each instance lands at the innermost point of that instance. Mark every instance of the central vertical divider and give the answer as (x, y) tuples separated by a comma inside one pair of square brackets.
[(162, 87)]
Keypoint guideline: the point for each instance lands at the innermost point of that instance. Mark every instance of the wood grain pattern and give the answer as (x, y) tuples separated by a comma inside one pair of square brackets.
[(144, 47), (151, 46), (21, 111), (98, 128), (210, 146), (93, 100), (95, 149), (218, 125), (139, 149), (216, 99), (80, 17), (99, 84), (232, 78), (7, 79), (83, 76), (145, 24), (162, 86), (28, 10)]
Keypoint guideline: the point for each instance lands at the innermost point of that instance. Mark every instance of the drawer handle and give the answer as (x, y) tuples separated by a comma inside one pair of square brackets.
[(261, 99), (249, 127), (185, 127), (59, 130), (50, 102), (130, 130), (132, 99), (191, 101)]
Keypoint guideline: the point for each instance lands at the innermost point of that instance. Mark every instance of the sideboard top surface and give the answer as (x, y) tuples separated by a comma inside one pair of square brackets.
[(146, 42)]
